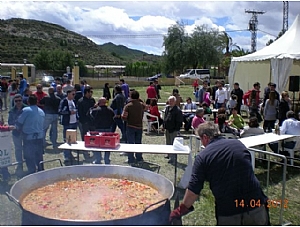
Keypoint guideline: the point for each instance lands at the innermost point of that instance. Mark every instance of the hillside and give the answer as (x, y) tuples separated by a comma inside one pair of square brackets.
[(20, 38), (127, 54)]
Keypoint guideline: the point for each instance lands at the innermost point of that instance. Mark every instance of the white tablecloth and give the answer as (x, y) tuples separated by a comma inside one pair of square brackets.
[(136, 148)]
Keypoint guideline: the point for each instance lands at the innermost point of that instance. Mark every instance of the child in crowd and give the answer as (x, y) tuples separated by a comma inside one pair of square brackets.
[(206, 108), (232, 102), (196, 93)]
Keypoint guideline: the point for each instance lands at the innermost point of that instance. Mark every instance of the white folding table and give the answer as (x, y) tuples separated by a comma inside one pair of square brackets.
[(253, 141), (131, 148)]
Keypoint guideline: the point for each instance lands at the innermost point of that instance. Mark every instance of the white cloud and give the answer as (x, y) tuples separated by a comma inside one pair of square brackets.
[(123, 19)]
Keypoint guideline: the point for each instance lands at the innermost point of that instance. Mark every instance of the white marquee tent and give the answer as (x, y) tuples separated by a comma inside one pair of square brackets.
[(274, 63)]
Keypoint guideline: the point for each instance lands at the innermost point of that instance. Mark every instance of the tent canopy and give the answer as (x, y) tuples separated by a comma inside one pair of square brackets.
[(280, 55), (287, 46)]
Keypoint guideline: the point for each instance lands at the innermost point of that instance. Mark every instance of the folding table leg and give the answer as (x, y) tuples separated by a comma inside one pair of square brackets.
[(175, 174)]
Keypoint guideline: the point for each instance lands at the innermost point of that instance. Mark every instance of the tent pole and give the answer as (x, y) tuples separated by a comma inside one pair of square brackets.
[(271, 73)]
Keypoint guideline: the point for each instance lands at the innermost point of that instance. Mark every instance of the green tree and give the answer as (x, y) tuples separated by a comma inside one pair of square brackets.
[(42, 60), (83, 71), (136, 66), (278, 36), (54, 60), (175, 43), (207, 46)]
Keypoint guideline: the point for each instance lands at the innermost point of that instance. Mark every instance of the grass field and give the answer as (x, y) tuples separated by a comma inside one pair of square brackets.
[(204, 208)]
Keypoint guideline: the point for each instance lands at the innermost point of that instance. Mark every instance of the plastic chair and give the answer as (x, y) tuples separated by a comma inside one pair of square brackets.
[(292, 150), (229, 136), (207, 117), (245, 110), (150, 122)]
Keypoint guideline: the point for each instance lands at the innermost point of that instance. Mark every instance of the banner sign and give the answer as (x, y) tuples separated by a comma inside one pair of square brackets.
[(5, 149)]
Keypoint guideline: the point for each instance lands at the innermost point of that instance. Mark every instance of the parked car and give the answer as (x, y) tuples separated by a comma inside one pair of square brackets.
[(47, 80), (6, 77), (155, 77), (196, 74)]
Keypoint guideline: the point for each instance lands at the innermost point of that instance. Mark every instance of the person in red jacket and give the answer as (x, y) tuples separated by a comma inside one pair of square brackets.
[(195, 85), (251, 99), (40, 94), (151, 93), (4, 170), (153, 109)]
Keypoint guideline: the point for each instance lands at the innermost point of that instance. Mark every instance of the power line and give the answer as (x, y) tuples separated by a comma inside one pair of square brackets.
[(127, 36), (267, 33), (140, 35)]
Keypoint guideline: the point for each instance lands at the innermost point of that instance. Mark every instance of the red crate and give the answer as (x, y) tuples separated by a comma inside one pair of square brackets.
[(109, 140), (92, 139)]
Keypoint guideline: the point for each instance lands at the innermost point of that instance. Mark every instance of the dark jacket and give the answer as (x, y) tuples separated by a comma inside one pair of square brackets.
[(173, 119), (283, 109), (118, 103), (102, 118), (51, 104), (106, 93), (13, 115), (78, 95), (84, 105), (239, 93), (64, 111), (266, 96)]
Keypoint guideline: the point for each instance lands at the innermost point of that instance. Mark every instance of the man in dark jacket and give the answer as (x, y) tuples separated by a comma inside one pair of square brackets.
[(239, 93), (78, 93), (172, 123), (68, 111), (84, 105), (106, 92), (117, 105), (51, 104), (226, 165), (267, 93), (103, 119)]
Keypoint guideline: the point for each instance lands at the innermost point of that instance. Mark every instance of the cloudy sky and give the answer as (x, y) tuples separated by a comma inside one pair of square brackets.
[(142, 24)]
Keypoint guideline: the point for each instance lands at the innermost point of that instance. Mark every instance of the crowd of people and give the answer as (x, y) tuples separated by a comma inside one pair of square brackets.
[(33, 113)]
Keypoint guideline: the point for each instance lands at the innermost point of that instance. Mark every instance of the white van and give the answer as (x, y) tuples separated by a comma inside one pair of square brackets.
[(196, 74)]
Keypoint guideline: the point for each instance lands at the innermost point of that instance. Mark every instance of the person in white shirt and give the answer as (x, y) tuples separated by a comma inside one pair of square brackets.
[(290, 126), (221, 96)]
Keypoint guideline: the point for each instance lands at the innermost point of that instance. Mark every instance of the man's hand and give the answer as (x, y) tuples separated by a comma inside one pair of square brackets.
[(12, 127), (179, 212)]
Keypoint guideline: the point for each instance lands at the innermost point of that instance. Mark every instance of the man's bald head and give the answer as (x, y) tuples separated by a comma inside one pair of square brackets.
[(102, 101)]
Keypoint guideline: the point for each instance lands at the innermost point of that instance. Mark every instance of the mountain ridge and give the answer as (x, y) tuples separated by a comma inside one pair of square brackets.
[(24, 38)]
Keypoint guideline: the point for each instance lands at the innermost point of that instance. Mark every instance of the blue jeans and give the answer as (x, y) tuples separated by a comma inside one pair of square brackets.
[(5, 173), (187, 119), (33, 154), (119, 122), (219, 105), (97, 154), (67, 153), (18, 143), (134, 136), (51, 119)]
